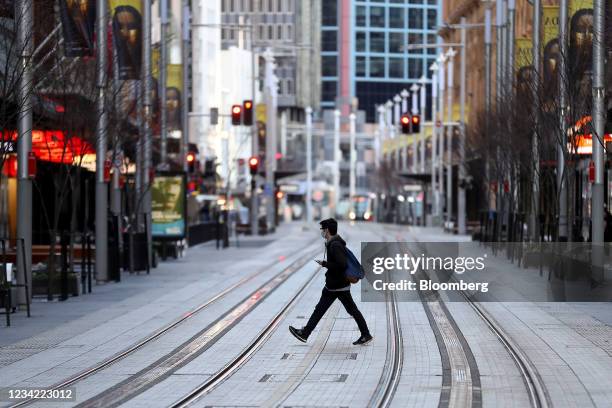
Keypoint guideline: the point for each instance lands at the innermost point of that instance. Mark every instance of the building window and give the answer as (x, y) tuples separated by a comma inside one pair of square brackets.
[(270, 32), (224, 34), (377, 16), (232, 9), (329, 91), (330, 13), (431, 19), (262, 32), (329, 41), (421, 1), (289, 6), (279, 32), (279, 5), (270, 6), (289, 32), (415, 19), (377, 67), (360, 43), (361, 16), (223, 8), (415, 67), (290, 90), (360, 66), (396, 43), (415, 38), (396, 17), (377, 41), (396, 67), (329, 66)]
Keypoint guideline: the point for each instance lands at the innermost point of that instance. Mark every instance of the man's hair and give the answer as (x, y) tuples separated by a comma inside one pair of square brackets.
[(330, 224)]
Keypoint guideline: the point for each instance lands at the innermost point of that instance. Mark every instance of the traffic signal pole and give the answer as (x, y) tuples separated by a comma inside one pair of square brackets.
[(449, 136), (461, 202), (163, 81), (271, 83), (534, 218), (561, 176)]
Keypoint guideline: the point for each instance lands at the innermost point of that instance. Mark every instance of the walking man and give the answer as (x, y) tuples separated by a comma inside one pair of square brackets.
[(337, 286)]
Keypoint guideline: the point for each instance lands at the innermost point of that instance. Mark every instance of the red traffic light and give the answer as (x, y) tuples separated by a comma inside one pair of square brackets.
[(416, 124), (405, 121), (190, 157), (236, 115), (415, 119), (253, 164)]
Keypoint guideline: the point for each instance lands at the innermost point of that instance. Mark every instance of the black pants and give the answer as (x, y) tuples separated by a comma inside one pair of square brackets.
[(327, 298)]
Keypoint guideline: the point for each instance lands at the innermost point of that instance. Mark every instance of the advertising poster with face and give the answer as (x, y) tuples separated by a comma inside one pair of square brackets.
[(551, 56), (168, 206), (523, 67), (174, 88), (580, 37), (127, 36), (78, 20)]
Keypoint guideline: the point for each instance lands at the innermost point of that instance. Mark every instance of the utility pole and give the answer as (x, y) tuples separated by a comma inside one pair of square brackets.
[(101, 130), (146, 142), (186, 46), (415, 111), (442, 85), (405, 94), (511, 35), (336, 159), (535, 143), (396, 120), (308, 164), (423, 82), (271, 84), (352, 156), (450, 55), (561, 180), (487, 41), (381, 132), (283, 134), (461, 204), (434, 132), (163, 81), (599, 93), (25, 36)]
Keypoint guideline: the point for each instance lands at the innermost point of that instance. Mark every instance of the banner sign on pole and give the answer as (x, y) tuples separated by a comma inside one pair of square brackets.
[(127, 36), (78, 24)]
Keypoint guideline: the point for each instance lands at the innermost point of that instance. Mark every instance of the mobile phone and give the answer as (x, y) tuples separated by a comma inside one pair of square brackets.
[(318, 261)]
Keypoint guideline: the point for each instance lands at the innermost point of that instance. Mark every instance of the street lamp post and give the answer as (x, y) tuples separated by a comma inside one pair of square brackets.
[(163, 74), (352, 156), (24, 142), (461, 201), (434, 132), (423, 82), (396, 120), (101, 129), (415, 110), (308, 165), (450, 54), (599, 94), (442, 85), (534, 217), (561, 181), (336, 159)]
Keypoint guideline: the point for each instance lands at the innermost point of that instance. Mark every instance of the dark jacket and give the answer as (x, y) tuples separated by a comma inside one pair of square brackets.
[(335, 277)]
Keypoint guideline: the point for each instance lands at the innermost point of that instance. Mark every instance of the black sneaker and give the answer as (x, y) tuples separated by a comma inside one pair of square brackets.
[(299, 334), (363, 340)]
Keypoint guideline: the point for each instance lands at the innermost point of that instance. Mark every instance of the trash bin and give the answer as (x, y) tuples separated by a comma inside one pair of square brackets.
[(138, 241)]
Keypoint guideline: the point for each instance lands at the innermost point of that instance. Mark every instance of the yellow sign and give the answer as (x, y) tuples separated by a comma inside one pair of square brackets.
[(523, 51), (260, 112), (579, 5), (550, 15)]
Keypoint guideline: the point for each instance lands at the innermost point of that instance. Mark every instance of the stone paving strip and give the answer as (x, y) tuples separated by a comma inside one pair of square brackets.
[(187, 351)]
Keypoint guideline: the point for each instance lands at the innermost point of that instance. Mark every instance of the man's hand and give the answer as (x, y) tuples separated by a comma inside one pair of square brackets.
[(321, 262)]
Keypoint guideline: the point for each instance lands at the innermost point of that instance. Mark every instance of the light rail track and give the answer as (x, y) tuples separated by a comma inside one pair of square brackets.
[(164, 330)]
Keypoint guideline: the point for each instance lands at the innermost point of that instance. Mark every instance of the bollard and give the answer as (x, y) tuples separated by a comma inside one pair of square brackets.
[(64, 260)]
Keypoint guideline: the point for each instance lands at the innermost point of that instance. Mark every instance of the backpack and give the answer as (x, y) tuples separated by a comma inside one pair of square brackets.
[(354, 271)]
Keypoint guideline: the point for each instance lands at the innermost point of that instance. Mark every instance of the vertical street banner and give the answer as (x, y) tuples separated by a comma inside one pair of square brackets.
[(127, 36), (174, 89), (551, 44), (168, 206), (78, 19), (580, 37), (523, 65)]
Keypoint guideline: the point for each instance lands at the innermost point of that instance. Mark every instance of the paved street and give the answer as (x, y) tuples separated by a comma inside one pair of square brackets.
[(164, 335)]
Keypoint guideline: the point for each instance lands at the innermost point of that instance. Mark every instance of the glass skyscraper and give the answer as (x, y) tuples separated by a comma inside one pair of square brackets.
[(364, 53)]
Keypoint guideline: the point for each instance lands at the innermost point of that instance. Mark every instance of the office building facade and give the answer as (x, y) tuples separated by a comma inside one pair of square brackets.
[(365, 60)]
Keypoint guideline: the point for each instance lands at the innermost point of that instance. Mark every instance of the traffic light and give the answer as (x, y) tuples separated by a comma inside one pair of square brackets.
[(253, 165), (236, 115), (416, 124), (247, 117), (405, 121), (191, 159), (214, 116)]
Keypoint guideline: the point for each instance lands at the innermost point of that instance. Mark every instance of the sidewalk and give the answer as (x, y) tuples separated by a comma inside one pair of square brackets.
[(173, 281)]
